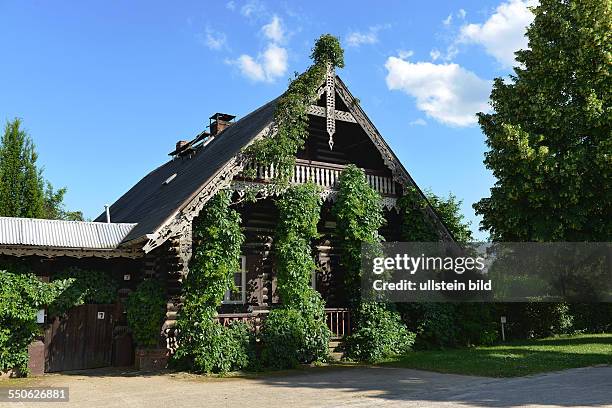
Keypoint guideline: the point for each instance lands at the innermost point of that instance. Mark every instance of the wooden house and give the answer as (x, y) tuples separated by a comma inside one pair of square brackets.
[(156, 215)]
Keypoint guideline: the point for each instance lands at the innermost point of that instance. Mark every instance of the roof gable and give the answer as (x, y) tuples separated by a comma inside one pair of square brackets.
[(164, 210)]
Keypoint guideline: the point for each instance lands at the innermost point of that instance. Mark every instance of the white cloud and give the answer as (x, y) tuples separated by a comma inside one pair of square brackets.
[(448, 20), (503, 33), (252, 8), (404, 54), (267, 67), (447, 93), (461, 13), (357, 38), (231, 5), (250, 68), (418, 122), (434, 54), (274, 30), (213, 40), (275, 61), (270, 64)]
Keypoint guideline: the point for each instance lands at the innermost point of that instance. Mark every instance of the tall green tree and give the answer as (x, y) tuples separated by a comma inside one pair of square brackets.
[(418, 227), (549, 139), (21, 183), (23, 189)]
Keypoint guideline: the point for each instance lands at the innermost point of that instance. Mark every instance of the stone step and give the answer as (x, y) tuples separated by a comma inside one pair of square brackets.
[(336, 355), (334, 344), (335, 349)]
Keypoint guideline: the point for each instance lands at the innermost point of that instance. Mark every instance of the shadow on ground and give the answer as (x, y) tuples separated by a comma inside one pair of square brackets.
[(591, 386)]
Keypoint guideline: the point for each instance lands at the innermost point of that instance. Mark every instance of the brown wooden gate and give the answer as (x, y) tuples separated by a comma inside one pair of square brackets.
[(82, 339)]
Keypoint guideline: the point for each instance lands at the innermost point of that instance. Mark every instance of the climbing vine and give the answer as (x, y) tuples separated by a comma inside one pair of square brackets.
[(22, 294), (296, 333), (290, 116), (82, 286), (146, 308), (379, 331), (359, 216), (204, 344)]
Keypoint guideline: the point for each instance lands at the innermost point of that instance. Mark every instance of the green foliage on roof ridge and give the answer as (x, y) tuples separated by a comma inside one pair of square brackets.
[(291, 117)]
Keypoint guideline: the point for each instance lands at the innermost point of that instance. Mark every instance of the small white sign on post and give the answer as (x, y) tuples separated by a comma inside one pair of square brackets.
[(100, 315), (503, 321)]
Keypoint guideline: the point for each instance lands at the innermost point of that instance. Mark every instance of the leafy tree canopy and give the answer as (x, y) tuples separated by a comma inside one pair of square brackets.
[(549, 139)]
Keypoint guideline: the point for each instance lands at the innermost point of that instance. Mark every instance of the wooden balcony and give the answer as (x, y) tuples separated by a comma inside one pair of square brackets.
[(325, 175), (338, 321)]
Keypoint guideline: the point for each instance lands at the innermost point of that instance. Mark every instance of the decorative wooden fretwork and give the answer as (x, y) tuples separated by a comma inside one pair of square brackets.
[(52, 252), (330, 103), (322, 112)]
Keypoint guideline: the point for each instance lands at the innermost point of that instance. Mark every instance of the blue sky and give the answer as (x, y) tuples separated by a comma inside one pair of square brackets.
[(106, 88)]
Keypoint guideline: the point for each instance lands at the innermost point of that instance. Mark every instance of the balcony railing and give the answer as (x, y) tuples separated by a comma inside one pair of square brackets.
[(338, 321), (325, 175)]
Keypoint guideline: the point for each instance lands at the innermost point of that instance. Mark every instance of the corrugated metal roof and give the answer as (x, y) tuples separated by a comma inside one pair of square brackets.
[(62, 234)]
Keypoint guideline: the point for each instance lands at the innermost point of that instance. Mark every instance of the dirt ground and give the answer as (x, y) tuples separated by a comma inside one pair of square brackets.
[(326, 387)]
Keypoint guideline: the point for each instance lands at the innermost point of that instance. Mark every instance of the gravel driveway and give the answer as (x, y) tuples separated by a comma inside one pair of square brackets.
[(331, 387)]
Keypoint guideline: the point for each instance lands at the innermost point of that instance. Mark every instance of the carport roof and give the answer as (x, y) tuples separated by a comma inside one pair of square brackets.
[(62, 234)]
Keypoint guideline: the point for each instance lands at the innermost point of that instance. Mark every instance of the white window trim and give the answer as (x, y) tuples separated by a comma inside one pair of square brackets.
[(226, 298)]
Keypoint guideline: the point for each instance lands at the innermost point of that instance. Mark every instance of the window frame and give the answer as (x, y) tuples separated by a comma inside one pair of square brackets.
[(226, 298)]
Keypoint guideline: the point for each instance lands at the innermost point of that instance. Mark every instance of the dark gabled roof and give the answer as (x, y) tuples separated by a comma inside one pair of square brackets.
[(151, 202)]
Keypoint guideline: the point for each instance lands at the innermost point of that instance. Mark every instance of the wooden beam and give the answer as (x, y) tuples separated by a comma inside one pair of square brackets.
[(340, 115)]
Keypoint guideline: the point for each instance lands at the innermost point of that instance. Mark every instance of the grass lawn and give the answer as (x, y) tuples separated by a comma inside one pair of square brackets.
[(514, 358)]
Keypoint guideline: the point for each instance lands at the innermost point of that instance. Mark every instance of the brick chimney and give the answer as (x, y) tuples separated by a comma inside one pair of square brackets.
[(180, 144), (219, 122)]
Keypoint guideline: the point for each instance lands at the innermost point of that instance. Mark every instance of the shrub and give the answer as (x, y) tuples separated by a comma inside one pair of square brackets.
[(290, 337), (146, 308), (536, 320), (209, 347), (21, 296), (435, 324), (380, 333), (477, 324), (592, 317)]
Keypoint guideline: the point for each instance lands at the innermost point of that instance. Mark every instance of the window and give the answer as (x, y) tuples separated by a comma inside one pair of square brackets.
[(238, 296)]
